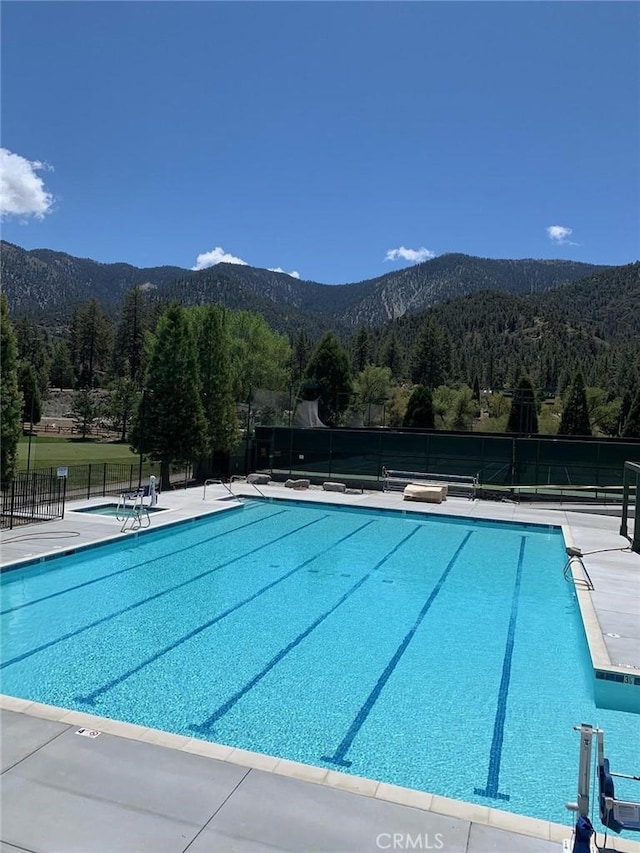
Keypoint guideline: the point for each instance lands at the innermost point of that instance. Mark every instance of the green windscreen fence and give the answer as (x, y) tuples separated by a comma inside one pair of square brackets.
[(497, 460)]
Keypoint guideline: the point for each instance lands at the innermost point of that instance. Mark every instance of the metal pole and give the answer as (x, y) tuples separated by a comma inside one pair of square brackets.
[(246, 447), (142, 414), (30, 431)]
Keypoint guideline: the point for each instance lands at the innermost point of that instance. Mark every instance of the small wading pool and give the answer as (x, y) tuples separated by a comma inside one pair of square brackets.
[(443, 654), (112, 509)]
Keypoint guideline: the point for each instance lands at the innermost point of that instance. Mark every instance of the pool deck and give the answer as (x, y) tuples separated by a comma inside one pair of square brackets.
[(137, 789)]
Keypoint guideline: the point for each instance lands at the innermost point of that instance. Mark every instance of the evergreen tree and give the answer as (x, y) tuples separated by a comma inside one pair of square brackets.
[(523, 415), (302, 349), (10, 397), (625, 408), (362, 349), (575, 413), (28, 384), (85, 411), (430, 356), (216, 377), (631, 428), (420, 414), (128, 349), (328, 377), (61, 370), (169, 424), (121, 405), (34, 348), (392, 357), (90, 343), (476, 388)]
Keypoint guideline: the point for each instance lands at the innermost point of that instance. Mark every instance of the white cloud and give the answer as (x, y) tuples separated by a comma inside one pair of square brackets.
[(216, 256), (22, 191), (415, 255), (293, 273), (559, 235)]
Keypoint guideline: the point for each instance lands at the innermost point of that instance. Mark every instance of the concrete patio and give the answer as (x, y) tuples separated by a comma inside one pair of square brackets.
[(66, 793)]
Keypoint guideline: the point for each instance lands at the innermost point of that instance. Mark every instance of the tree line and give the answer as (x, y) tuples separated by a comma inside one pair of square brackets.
[(170, 378)]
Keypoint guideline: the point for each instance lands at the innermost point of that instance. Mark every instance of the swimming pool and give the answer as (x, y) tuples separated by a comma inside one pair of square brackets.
[(437, 653)]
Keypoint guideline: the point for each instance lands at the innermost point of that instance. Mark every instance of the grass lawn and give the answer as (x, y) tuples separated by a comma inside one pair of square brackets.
[(47, 451)]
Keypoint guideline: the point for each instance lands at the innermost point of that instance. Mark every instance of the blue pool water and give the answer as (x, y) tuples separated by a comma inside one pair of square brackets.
[(442, 654)]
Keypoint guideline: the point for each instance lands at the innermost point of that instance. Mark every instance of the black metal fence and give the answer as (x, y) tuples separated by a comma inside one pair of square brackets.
[(40, 495), (31, 497)]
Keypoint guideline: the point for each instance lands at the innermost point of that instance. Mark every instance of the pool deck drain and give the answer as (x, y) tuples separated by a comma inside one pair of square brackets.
[(140, 789)]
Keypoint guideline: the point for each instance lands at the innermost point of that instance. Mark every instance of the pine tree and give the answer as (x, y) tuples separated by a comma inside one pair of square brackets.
[(90, 343), (169, 424), (523, 415), (10, 397), (61, 370), (301, 354), (362, 349), (476, 388), (128, 350), (625, 408), (85, 411), (34, 348), (631, 428), (575, 413), (431, 356), (32, 403), (392, 357), (216, 378), (328, 377), (420, 414), (121, 405)]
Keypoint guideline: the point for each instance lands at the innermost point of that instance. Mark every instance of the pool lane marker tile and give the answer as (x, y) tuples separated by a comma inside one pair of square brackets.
[(143, 564), (90, 698), (495, 756), (153, 597), (339, 755), (205, 727)]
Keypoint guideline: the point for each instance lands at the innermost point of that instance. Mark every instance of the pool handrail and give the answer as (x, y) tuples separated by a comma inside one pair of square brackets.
[(218, 482)]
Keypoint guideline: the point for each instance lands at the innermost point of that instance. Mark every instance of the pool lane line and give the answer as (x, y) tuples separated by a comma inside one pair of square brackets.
[(495, 756), (137, 565), (90, 698), (205, 727), (155, 596), (338, 756)]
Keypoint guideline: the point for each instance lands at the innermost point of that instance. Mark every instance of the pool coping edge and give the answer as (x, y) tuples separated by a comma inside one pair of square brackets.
[(411, 797)]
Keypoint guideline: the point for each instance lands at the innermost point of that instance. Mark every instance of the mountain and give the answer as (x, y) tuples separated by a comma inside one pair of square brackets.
[(48, 285), (593, 323)]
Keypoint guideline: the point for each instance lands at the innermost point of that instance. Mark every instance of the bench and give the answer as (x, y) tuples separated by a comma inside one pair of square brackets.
[(457, 484)]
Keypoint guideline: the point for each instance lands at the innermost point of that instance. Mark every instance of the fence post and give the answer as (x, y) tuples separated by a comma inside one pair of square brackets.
[(89, 483), (13, 495), (131, 476), (104, 479)]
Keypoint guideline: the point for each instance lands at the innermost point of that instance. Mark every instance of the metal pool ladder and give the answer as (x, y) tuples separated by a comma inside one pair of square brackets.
[(135, 515)]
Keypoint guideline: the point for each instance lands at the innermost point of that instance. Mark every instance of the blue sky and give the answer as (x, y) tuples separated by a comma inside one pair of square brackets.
[(338, 140)]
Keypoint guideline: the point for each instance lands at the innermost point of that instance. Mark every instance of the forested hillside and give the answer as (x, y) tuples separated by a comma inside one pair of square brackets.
[(593, 324)]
